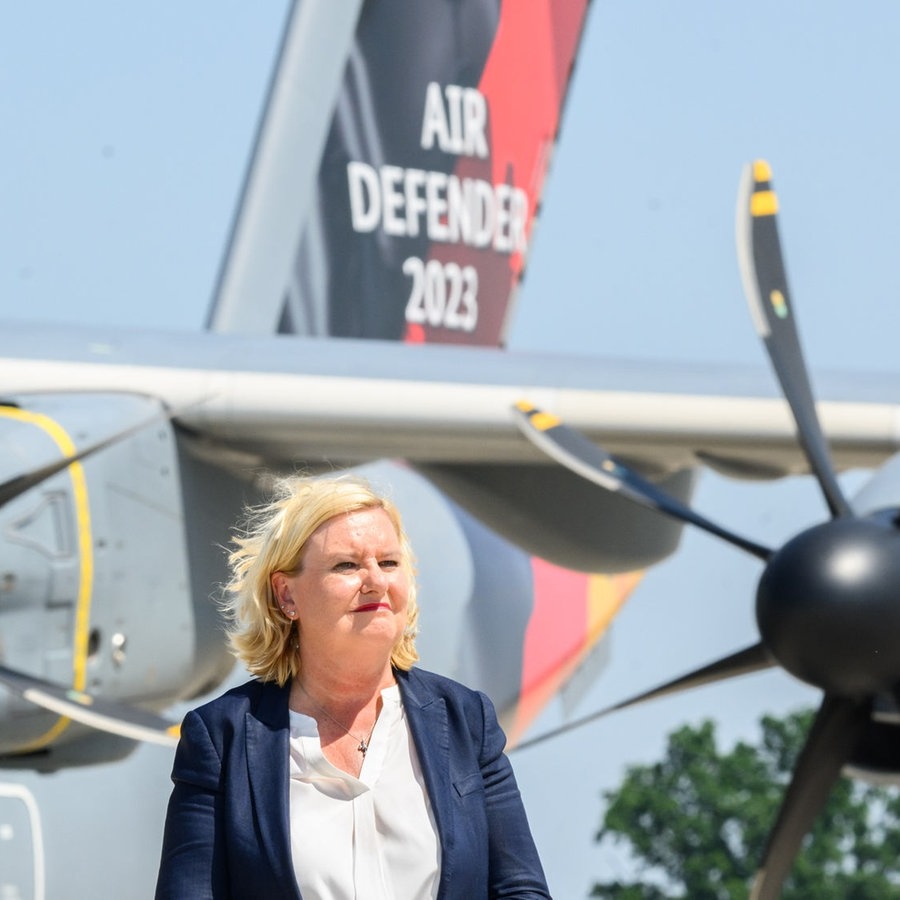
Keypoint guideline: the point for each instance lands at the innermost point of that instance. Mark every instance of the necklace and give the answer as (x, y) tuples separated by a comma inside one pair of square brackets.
[(363, 742)]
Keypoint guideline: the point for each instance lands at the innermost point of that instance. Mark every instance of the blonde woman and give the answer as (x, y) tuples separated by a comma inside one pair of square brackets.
[(341, 771)]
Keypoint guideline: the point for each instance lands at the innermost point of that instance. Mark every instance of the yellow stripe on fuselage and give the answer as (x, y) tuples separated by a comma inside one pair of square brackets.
[(85, 555)]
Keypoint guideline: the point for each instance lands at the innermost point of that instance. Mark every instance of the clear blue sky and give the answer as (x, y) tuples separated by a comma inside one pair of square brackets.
[(126, 131)]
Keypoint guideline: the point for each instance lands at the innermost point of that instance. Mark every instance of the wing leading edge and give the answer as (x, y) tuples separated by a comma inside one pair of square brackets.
[(289, 399)]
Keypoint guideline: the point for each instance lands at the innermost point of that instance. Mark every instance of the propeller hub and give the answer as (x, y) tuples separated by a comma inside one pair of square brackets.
[(828, 605)]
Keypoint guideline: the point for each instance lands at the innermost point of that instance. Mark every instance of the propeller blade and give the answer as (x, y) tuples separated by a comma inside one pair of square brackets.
[(835, 732), (573, 450), (766, 288), (104, 715), (750, 659)]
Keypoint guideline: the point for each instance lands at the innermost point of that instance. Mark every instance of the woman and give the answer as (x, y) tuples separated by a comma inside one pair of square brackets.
[(341, 771)]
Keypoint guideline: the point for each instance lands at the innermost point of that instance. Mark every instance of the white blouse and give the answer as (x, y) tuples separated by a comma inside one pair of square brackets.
[(367, 838)]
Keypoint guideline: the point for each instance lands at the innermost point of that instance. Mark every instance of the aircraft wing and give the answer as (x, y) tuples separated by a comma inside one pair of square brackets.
[(286, 399)]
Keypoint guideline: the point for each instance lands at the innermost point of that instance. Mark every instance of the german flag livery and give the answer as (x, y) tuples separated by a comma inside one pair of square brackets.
[(428, 173)]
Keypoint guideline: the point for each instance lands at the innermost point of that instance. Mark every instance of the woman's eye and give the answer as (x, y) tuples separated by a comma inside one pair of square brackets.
[(389, 564), (345, 567)]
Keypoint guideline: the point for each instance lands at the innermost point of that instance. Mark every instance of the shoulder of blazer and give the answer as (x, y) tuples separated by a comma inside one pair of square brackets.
[(422, 688), (264, 700)]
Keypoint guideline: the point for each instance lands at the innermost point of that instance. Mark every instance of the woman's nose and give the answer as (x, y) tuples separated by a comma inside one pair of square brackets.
[(376, 577)]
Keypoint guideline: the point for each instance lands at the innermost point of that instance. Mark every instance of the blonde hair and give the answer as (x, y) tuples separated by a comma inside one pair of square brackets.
[(273, 539)]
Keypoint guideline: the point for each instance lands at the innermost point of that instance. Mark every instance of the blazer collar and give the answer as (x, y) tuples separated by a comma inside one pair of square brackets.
[(426, 714), (267, 741), (267, 724)]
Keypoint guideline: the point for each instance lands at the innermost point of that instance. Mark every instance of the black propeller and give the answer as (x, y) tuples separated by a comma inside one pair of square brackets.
[(826, 604), (766, 288), (837, 728), (576, 452), (105, 715), (752, 659)]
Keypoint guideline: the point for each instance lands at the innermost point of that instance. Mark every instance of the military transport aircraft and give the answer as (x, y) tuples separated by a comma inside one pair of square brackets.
[(400, 214)]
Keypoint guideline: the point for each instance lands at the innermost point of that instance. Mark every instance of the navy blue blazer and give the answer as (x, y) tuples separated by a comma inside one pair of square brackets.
[(227, 828)]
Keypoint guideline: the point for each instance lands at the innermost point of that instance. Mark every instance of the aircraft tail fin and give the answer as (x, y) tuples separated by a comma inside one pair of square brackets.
[(398, 169)]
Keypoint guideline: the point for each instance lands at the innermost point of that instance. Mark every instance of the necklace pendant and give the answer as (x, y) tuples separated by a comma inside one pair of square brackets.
[(363, 747)]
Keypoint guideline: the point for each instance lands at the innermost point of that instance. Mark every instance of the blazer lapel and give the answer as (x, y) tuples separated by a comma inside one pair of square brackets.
[(267, 734), (427, 717)]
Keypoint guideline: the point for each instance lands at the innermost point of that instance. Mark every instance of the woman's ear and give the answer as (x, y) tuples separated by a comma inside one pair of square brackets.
[(281, 591)]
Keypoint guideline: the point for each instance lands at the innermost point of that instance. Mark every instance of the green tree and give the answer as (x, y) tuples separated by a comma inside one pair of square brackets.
[(696, 823)]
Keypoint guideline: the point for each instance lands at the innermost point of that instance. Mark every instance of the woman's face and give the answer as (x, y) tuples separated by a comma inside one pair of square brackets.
[(353, 584)]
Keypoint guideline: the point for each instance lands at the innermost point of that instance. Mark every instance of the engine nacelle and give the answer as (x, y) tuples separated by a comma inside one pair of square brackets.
[(96, 586), (558, 515)]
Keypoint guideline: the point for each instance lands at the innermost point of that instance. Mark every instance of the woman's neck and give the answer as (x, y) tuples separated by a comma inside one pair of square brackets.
[(343, 686)]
